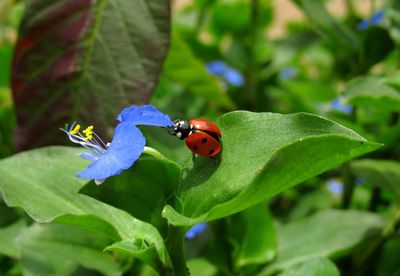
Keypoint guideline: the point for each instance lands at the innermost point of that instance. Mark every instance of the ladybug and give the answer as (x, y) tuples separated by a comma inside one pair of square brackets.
[(202, 136)]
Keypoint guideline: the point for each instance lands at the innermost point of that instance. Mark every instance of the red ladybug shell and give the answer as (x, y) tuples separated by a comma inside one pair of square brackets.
[(203, 138), (203, 144), (205, 126)]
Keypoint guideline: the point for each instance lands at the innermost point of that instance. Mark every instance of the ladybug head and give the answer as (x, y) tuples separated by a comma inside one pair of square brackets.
[(180, 128)]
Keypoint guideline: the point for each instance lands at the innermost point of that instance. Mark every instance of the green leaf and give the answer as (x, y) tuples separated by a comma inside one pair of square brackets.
[(313, 267), (312, 91), (85, 61), (309, 202), (388, 261), (26, 179), (62, 244), (338, 33), (327, 233), (375, 52), (184, 68), (142, 190), (105, 233), (8, 235), (393, 80), (263, 154), (253, 235), (392, 12), (5, 57), (371, 91), (381, 173), (49, 173), (200, 266), (7, 123), (7, 215), (140, 250), (223, 11), (305, 95)]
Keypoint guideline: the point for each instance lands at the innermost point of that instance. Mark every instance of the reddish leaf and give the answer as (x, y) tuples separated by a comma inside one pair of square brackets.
[(84, 60)]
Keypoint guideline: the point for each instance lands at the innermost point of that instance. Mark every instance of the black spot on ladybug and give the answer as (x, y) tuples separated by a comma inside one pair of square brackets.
[(204, 140), (211, 152), (195, 147)]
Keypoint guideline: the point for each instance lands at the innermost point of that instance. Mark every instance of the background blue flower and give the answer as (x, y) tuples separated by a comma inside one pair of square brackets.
[(363, 24), (229, 74), (376, 19), (287, 73), (233, 77), (196, 230), (335, 186), (339, 106), (360, 181), (216, 67)]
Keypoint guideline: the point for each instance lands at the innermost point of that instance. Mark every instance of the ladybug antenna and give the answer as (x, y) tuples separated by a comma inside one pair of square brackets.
[(171, 129)]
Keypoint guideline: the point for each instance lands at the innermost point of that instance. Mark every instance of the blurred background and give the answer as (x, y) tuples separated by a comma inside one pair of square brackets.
[(287, 11)]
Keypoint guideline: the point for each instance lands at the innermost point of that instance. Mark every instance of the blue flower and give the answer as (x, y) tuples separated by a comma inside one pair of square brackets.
[(287, 73), (233, 77), (363, 25), (339, 106), (216, 67), (360, 181), (126, 146), (376, 19), (335, 186), (196, 230), (229, 74)]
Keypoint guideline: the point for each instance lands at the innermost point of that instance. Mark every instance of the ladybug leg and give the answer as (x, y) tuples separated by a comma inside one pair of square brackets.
[(193, 156), (215, 159)]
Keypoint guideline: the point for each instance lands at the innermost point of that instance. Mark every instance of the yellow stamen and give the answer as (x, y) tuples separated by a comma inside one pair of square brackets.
[(88, 137), (89, 133), (75, 130), (89, 129)]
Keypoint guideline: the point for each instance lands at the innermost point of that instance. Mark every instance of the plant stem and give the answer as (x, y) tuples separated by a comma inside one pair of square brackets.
[(201, 16), (348, 182), (373, 5), (153, 152), (350, 8), (251, 81), (375, 199), (174, 244), (369, 254)]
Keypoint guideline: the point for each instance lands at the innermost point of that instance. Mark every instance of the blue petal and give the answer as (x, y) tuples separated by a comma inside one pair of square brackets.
[(233, 77), (335, 186), (126, 147), (216, 67), (362, 25), (288, 73), (339, 106), (88, 156), (377, 18), (360, 181), (144, 115), (196, 230)]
